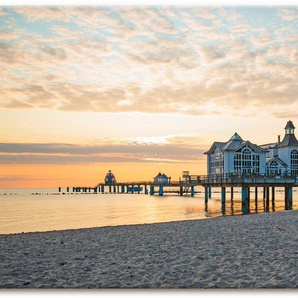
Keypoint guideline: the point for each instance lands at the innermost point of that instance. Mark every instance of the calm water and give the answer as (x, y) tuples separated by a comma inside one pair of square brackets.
[(30, 210)]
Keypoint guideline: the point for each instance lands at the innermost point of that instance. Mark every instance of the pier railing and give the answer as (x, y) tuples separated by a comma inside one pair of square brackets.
[(218, 179), (246, 179)]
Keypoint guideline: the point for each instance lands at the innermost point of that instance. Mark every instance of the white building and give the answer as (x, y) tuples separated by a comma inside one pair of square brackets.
[(235, 156), (282, 157), (238, 156)]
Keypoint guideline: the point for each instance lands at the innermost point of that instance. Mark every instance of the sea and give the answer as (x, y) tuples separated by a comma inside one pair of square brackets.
[(39, 210)]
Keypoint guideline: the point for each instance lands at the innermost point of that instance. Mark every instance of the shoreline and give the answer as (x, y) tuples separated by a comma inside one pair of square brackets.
[(251, 251)]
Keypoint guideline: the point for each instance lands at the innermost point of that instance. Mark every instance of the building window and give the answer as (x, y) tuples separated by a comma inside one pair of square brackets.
[(246, 161), (294, 162), (216, 162), (273, 168)]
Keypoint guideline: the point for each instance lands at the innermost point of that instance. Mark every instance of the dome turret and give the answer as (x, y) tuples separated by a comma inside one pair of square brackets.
[(289, 138)]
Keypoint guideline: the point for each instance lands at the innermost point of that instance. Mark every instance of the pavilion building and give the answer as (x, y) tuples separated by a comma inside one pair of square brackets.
[(239, 156), (162, 179), (235, 156)]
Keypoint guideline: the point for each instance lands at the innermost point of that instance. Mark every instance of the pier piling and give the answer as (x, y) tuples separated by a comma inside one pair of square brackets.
[(244, 197)]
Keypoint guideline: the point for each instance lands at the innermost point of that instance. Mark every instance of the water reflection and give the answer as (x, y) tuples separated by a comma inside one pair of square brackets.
[(223, 208), (55, 212), (232, 206)]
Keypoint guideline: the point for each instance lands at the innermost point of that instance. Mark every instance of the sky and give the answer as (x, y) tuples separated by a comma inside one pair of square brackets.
[(138, 89)]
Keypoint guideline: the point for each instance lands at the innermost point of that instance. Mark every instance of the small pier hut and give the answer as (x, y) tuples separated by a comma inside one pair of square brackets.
[(161, 179), (110, 178)]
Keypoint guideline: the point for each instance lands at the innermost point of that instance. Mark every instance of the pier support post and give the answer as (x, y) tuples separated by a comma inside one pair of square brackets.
[(132, 189), (151, 190), (288, 198), (67, 189), (146, 190), (264, 192), (273, 198), (59, 189), (192, 191), (139, 188), (232, 192), (122, 188), (181, 191), (95, 189), (160, 191), (102, 189), (114, 189), (244, 196), (209, 192), (223, 200), (248, 199)]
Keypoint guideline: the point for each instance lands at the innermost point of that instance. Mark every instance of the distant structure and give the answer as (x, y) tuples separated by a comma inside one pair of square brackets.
[(110, 178), (238, 156), (162, 179)]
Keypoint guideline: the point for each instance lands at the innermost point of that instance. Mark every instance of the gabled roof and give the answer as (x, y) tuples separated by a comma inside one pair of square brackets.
[(255, 147), (278, 160), (160, 175), (233, 144), (219, 145), (236, 137), (269, 145)]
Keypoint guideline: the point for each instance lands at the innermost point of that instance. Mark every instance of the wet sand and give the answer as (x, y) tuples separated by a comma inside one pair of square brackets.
[(253, 251)]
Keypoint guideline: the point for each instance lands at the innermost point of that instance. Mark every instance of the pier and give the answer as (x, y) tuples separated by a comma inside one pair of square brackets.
[(249, 184)]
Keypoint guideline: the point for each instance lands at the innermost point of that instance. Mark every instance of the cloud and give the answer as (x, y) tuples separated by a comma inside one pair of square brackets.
[(187, 60), (45, 13), (288, 14), (175, 149)]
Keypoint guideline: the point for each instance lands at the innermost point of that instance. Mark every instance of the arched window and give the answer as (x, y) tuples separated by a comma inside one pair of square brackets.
[(246, 161), (294, 162)]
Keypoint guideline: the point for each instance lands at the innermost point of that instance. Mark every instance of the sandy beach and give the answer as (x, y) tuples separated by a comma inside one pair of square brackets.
[(254, 251)]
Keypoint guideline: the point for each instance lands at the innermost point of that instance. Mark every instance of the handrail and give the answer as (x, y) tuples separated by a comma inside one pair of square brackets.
[(217, 178)]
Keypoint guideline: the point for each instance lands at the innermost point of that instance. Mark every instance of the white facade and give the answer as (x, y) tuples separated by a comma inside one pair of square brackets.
[(238, 156), (284, 152)]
